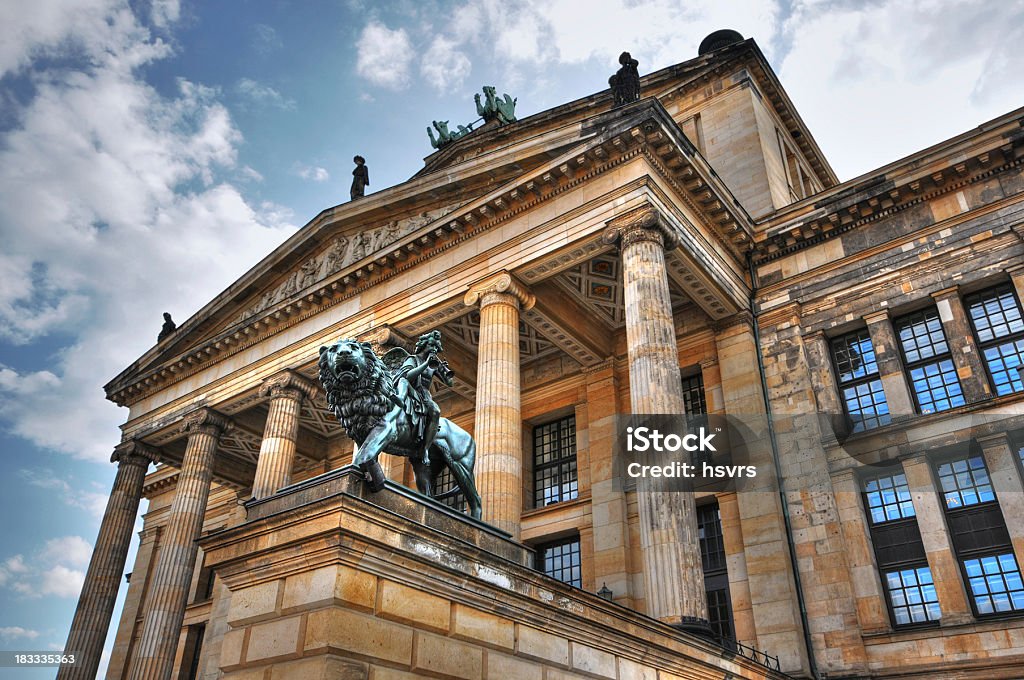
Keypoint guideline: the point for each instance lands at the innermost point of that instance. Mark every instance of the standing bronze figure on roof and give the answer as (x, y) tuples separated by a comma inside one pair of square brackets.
[(625, 83)]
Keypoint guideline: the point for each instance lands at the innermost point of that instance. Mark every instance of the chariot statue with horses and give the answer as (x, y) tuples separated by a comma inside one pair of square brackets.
[(385, 405)]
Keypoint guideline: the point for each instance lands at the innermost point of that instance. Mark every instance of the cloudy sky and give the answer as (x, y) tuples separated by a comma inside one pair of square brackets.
[(151, 151)]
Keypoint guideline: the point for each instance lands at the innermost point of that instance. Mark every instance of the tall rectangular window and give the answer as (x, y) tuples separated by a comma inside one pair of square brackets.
[(192, 654), (554, 462), (716, 574), (899, 551), (979, 535), (694, 402), (999, 328), (929, 364), (860, 384), (561, 560)]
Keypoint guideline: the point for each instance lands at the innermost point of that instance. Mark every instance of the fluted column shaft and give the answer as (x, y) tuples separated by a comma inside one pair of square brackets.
[(673, 575), (154, 655), (277, 449), (106, 566), (498, 428)]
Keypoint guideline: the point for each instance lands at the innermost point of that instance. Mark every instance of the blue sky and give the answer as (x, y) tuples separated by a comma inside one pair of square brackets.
[(151, 152)]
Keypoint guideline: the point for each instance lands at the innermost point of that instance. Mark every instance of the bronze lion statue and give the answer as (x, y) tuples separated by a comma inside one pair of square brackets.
[(372, 399)]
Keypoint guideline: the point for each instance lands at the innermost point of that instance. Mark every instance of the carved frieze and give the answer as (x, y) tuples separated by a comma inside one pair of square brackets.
[(342, 251)]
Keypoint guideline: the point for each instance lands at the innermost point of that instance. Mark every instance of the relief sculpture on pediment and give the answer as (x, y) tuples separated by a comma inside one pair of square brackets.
[(343, 251)]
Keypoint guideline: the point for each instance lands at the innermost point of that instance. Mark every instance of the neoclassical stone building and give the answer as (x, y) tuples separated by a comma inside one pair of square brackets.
[(690, 252)]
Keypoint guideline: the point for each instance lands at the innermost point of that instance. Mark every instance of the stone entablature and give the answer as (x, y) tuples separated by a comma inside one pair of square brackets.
[(925, 177)]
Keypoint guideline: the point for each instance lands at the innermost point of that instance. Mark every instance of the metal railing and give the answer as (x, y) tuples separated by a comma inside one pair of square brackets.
[(746, 651)]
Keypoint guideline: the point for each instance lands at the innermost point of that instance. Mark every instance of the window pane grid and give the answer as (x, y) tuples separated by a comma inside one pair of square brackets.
[(554, 462), (933, 376), (720, 612), (965, 482), (694, 402), (999, 327), (995, 583), (444, 482), (712, 544), (561, 560), (859, 383), (912, 596), (888, 498)]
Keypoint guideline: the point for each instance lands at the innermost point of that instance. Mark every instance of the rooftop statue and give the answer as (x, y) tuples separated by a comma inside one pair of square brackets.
[(385, 405), (360, 178), (168, 327), (492, 108), (625, 83), (444, 135)]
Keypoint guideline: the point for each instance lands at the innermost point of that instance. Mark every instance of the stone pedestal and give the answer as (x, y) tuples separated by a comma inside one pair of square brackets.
[(106, 567), (328, 580), (498, 435), (673, 577), (277, 449), (154, 656)]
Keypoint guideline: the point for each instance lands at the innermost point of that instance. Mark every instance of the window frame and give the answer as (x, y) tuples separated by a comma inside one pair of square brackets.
[(937, 359), (1011, 338), (540, 557), (716, 576), (555, 463), (856, 382)]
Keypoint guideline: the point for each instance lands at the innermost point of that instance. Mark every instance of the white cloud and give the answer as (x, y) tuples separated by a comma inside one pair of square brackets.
[(313, 173), (71, 550), (137, 216), (57, 569), (259, 94), (384, 56), (873, 91), (444, 66), (93, 502), (265, 39), (17, 632)]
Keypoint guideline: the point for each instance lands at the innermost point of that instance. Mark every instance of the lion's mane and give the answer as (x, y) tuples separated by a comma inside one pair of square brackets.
[(359, 406)]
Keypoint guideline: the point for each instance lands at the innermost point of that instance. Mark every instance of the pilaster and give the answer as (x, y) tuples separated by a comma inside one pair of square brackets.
[(890, 367), (966, 357), (1004, 471)]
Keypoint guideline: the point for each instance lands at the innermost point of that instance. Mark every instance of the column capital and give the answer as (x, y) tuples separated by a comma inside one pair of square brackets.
[(740, 318), (289, 383), (877, 317), (995, 440), (205, 419), (384, 336), (501, 287), (948, 292), (134, 452), (642, 224)]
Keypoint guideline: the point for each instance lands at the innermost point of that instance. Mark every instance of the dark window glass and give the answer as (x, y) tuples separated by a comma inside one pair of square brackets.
[(445, 482), (712, 546), (996, 316), (929, 365), (995, 583), (888, 498), (561, 560), (964, 481), (716, 574), (860, 385), (554, 462), (694, 403), (912, 595), (193, 651)]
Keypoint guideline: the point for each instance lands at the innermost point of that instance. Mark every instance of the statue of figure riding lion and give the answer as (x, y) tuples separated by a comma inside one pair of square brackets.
[(385, 405)]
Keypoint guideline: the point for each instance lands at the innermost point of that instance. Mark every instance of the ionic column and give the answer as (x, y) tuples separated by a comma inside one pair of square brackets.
[(964, 350), (154, 655), (673, 577), (277, 449), (890, 368), (498, 429), (106, 566)]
